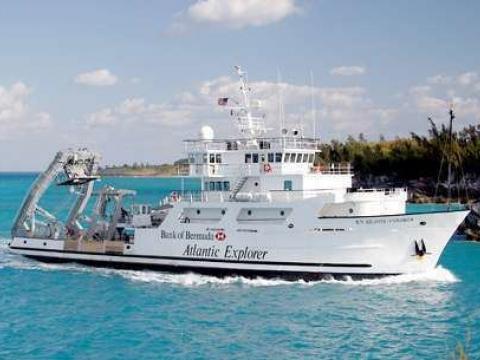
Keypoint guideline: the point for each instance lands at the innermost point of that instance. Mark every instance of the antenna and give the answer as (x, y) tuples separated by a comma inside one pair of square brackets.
[(450, 135), (314, 113), (244, 85), (280, 103)]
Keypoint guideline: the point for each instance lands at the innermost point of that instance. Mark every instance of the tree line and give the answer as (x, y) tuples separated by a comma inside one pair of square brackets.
[(410, 158)]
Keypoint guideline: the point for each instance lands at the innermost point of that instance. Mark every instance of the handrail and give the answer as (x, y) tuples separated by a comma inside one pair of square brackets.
[(334, 168), (386, 190), (246, 169), (224, 196), (267, 143)]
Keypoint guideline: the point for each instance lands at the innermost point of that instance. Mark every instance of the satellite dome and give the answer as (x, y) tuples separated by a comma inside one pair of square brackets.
[(206, 133)]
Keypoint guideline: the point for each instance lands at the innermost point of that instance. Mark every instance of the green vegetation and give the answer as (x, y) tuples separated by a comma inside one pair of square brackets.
[(411, 158), (144, 169)]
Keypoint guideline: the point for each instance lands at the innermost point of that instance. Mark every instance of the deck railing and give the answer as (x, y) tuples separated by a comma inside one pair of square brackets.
[(267, 196), (334, 169), (274, 143), (378, 190)]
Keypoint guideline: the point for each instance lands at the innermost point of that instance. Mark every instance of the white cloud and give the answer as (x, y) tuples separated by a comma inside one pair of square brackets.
[(235, 14), (467, 107), (467, 78), (348, 70), (137, 112), (103, 117), (132, 106), (15, 114), (346, 109), (292, 94), (439, 79), (431, 105), (444, 91), (12, 102), (100, 77)]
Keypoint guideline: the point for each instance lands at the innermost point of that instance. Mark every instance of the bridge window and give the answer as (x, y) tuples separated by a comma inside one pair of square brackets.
[(255, 158), (248, 158), (310, 158), (271, 157), (287, 185), (299, 158), (218, 158), (305, 158), (278, 157), (212, 158), (264, 144), (226, 186), (205, 158), (217, 185)]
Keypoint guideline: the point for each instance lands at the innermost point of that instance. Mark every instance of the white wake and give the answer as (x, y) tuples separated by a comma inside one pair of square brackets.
[(438, 275)]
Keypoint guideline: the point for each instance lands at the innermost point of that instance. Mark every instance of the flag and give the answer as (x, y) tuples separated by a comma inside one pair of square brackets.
[(222, 101)]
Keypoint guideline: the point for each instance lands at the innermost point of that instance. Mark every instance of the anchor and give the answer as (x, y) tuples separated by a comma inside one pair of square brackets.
[(420, 250)]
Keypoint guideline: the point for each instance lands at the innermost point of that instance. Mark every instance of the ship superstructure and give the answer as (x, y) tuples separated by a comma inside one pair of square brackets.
[(266, 207)]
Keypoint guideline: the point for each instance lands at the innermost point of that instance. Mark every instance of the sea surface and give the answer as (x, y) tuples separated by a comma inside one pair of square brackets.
[(76, 312)]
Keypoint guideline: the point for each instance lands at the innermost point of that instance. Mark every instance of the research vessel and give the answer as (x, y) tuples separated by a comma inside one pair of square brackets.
[(265, 207)]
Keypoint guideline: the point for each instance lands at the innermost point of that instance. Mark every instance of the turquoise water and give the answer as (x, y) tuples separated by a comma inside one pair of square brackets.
[(76, 312)]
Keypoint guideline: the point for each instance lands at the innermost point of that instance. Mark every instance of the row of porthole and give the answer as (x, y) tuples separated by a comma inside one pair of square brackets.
[(249, 212), (45, 244), (282, 212), (222, 212), (25, 243)]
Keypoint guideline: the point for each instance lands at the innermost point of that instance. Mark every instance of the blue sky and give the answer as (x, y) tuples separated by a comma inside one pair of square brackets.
[(131, 79)]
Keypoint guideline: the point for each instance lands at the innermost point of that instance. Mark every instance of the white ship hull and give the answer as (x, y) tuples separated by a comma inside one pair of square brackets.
[(311, 248)]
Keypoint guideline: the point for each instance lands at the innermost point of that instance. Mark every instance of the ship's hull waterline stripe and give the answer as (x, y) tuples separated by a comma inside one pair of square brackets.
[(177, 258), (221, 272)]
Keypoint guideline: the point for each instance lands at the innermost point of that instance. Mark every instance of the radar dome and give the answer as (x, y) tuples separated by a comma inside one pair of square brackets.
[(206, 133)]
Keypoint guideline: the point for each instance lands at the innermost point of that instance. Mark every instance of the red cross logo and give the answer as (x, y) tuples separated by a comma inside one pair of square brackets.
[(220, 235)]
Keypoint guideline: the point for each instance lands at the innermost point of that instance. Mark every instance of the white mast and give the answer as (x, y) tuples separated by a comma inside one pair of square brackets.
[(249, 125), (314, 113), (280, 103)]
